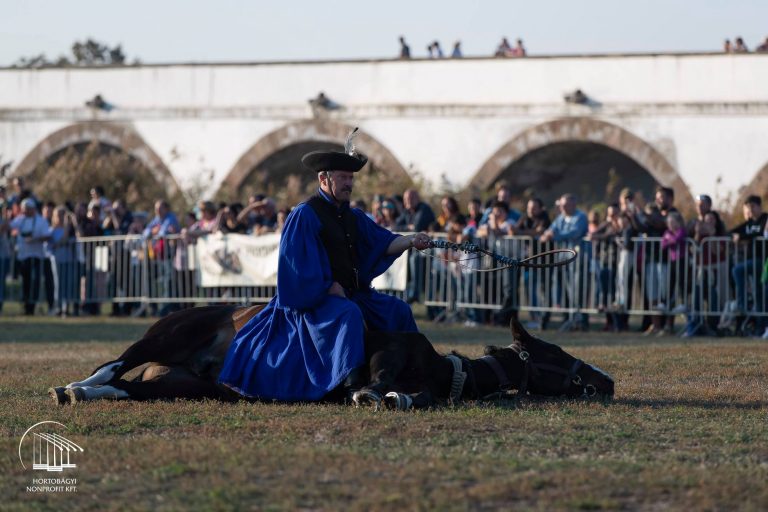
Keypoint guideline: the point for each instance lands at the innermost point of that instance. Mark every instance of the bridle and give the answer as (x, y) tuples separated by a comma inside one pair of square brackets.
[(531, 369), (570, 376)]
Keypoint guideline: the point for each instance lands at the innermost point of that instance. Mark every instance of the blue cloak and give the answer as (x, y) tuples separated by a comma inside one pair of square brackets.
[(305, 342)]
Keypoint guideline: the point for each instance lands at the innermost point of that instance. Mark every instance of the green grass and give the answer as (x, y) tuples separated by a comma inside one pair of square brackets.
[(688, 430)]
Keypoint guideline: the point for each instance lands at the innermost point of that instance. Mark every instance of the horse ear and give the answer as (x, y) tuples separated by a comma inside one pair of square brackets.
[(518, 331), (491, 350)]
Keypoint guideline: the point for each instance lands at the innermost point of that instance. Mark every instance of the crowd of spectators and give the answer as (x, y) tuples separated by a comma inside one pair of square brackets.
[(44, 234), (435, 51), (739, 46), (507, 50), (40, 237), (608, 238)]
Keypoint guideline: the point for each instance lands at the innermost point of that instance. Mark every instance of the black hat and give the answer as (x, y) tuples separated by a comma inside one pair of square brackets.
[(348, 161), (333, 161)]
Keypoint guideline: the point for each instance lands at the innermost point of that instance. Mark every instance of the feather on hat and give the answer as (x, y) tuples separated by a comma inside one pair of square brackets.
[(349, 160)]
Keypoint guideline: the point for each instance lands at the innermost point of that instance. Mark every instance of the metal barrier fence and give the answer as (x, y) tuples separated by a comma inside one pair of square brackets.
[(705, 280), (125, 270)]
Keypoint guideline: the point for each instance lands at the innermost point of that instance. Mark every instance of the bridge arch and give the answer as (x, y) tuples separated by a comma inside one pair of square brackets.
[(323, 133), (758, 186), (117, 135), (589, 131)]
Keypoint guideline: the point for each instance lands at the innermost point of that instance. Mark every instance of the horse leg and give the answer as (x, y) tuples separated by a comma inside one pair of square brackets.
[(397, 361), (104, 373), (166, 349), (385, 365), (133, 357), (173, 340), (405, 401), (157, 382), (101, 375)]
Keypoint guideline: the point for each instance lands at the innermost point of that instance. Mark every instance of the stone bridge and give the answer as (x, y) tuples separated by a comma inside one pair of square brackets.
[(695, 122)]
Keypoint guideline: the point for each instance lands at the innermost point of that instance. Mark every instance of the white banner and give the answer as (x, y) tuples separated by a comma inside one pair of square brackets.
[(238, 260), (396, 276), (244, 260)]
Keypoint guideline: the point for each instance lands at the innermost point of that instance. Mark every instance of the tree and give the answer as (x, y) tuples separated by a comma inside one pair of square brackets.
[(86, 53), (70, 175)]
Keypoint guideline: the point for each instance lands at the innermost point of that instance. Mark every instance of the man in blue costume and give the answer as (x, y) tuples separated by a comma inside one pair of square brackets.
[(309, 338)]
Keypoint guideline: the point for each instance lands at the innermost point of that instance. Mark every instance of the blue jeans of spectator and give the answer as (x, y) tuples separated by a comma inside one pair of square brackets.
[(531, 282), (741, 272), (567, 286), (470, 292), (442, 288), (68, 289), (605, 286)]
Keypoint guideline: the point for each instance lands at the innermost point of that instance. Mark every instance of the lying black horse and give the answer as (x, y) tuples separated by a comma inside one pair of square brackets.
[(186, 351)]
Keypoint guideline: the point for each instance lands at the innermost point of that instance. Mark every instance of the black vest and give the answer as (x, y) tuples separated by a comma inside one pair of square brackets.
[(338, 233)]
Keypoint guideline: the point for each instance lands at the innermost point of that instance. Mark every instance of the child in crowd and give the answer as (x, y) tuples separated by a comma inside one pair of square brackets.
[(673, 242), (63, 247)]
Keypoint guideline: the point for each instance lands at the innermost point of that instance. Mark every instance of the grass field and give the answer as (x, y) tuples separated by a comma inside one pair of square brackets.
[(687, 430)]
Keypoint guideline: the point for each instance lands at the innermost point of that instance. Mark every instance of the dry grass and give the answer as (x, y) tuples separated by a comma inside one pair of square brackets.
[(688, 429)]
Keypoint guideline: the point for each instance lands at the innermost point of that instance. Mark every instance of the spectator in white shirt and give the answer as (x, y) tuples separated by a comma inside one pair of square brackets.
[(31, 230)]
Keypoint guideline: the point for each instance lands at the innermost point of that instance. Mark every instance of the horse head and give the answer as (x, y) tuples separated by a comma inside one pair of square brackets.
[(543, 368)]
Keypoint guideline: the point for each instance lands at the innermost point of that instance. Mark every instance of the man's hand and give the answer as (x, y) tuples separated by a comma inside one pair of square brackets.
[(403, 243), (337, 290), (420, 241)]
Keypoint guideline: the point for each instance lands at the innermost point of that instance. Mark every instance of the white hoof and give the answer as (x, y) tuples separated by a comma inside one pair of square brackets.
[(365, 397), (398, 401), (58, 394), (75, 395)]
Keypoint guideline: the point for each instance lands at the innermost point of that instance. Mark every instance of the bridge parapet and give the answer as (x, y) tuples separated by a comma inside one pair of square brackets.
[(703, 115)]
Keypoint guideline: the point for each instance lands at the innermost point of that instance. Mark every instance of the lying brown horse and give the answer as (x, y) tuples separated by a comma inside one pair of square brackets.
[(186, 352)]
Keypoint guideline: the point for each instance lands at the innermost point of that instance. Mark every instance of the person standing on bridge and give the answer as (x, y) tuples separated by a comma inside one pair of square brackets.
[(309, 338), (405, 50)]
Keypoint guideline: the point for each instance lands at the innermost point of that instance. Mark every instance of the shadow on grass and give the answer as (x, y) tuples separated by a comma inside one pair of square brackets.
[(46, 330), (703, 404), (511, 402)]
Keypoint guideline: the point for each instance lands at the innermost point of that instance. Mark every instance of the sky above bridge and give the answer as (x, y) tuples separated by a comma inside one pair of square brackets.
[(230, 30)]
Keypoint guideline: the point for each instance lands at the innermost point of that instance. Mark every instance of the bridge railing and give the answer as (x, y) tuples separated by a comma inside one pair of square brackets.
[(705, 281)]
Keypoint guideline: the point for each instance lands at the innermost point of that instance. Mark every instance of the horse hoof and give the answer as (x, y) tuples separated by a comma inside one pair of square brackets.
[(398, 401), (365, 397), (75, 395), (58, 395)]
